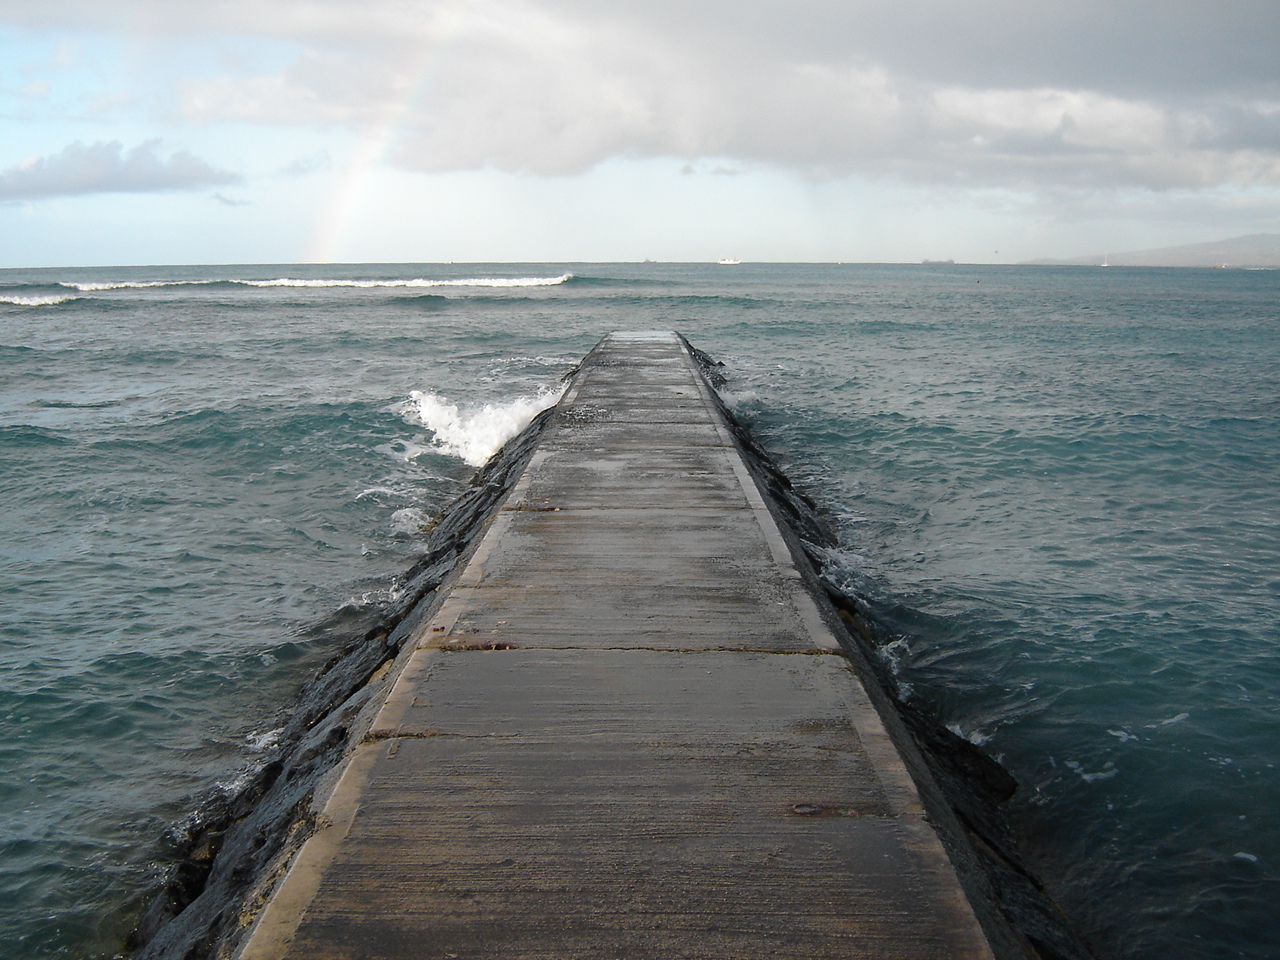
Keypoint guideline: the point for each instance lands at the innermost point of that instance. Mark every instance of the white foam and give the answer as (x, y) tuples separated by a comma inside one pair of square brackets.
[(1124, 735), (409, 521), (374, 491), (321, 282), (474, 435), (416, 282), (404, 450), (975, 737), (49, 301), (1109, 770), (369, 599), (262, 742), (93, 287), (236, 784)]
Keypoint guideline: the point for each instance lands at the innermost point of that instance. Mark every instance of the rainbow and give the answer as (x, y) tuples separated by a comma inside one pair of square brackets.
[(375, 142)]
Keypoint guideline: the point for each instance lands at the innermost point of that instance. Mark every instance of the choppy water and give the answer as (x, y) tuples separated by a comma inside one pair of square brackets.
[(1058, 485)]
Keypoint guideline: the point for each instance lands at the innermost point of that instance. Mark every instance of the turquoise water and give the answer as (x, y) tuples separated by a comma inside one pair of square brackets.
[(1058, 486)]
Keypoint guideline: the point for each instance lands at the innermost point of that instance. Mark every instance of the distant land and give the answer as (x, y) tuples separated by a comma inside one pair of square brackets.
[(1256, 250)]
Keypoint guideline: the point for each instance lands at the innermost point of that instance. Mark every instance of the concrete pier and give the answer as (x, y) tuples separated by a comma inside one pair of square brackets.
[(625, 731)]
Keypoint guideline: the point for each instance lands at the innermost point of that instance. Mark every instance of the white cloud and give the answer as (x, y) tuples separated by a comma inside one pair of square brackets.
[(555, 87), (1066, 103), (108, 168)]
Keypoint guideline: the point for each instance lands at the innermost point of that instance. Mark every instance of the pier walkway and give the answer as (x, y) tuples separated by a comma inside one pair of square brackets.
[(626, 732)]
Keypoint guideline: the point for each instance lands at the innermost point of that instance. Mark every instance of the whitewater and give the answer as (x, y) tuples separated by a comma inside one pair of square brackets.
[(1054, 489)]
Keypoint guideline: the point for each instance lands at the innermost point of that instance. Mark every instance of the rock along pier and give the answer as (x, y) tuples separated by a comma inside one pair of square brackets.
[(626, 729)]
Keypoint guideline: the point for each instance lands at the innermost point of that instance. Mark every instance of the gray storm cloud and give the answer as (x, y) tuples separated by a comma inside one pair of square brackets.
[(1167, 94), (108, 168)]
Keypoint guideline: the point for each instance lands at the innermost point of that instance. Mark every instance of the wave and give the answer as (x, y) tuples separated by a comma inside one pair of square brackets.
[(29, 435), (97, 286), (45, 301), (74, 405), (417, 282), (322, 282), (474, 436)]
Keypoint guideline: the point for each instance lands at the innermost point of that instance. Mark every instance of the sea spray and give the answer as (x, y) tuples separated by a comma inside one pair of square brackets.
[(475, 435)]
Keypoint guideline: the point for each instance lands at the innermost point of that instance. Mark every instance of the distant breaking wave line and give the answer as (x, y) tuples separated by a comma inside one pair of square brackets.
[(94, 287), (324, 282), (475, 282), (47, 301)]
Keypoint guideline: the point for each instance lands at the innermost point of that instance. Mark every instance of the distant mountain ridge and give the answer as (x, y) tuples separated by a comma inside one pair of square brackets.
[(1255, 250)]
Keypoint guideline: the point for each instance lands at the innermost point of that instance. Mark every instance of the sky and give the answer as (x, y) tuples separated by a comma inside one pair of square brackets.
[(279, 131)]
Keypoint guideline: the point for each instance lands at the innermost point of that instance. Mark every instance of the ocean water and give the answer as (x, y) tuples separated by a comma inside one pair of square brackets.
[(1058, 487)]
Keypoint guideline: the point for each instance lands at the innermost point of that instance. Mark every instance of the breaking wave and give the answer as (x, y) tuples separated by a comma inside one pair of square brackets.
[(321, 282), (96, 286), (475, 435), (46, 301), (417, 282)]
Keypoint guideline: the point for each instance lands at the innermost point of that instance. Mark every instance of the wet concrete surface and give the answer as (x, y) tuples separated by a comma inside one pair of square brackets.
[(625, 730)]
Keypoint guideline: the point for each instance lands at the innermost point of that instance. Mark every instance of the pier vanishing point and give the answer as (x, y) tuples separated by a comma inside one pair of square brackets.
[(626, 729)]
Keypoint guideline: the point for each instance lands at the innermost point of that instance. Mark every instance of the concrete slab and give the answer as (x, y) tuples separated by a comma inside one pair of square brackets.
[(626, 732)]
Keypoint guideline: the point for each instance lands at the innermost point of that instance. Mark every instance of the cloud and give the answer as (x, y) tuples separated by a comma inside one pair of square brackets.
[(1139, 46), (305, 166), (108, 168), (1158, 94)]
